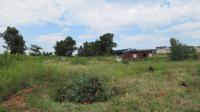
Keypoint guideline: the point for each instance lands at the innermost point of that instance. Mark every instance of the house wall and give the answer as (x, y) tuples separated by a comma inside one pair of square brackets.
[(127, 56), (197, 49), (163, 51)]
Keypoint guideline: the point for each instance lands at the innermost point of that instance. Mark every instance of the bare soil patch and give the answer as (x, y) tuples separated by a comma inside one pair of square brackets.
[(18, 101)]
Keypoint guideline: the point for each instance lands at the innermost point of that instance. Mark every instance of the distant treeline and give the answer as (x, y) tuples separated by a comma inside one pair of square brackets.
[(15, 44)]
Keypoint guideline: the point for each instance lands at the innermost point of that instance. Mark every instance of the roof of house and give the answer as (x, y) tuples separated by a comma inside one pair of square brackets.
[(120, 52), (162, 47), (143, 50)]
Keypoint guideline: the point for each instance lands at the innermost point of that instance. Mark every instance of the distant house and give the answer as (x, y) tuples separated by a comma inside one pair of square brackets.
[(163, 50), (128, 54), (197, 48)]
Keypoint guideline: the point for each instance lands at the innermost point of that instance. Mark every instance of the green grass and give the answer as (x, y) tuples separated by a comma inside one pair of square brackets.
[(138, 89), (79, 61)]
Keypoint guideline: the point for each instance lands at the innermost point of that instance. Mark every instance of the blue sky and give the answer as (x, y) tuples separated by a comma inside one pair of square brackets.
[(136, 23)]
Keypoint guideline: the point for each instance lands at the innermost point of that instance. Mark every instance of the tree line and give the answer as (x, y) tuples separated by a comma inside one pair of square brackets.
[(16, 45), (103, 46)]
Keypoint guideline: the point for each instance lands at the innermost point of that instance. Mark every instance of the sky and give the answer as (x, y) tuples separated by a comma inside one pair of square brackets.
[(140, 24)]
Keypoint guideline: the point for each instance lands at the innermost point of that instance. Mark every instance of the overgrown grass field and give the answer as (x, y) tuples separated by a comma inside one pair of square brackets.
[(31, 84)]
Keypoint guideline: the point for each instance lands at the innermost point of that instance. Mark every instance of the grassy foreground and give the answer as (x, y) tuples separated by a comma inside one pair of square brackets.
[(29, 84)]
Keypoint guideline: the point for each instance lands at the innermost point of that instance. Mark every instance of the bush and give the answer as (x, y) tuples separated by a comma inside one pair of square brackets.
[(2, 109), (181, 51), (84, 89), (79, 61), (125, 62)]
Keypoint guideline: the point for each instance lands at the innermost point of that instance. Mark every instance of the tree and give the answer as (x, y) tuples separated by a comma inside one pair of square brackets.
[(88, 49), (14, 41), (80, 51), (181, 51), (47, 53), (102, 46), (65, 47), (35, 50)]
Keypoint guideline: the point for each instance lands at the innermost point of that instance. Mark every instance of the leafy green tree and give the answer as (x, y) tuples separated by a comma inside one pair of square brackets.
[(14, 41), (80, 51), (105, 44), (88, 49), (102, 46), (35, 50), (181, 51), (65, 47), (47, 53)]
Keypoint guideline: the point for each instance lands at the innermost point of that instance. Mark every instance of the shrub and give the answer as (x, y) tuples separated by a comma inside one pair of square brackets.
[(2, 109), (79, 61), (181, 51), (125, 62), (84, 89)]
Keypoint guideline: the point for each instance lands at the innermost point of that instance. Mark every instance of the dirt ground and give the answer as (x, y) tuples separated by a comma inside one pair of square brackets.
[(18, 101)]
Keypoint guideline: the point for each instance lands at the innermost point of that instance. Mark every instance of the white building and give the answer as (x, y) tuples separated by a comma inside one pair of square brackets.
[(163, 50), (197, 48)]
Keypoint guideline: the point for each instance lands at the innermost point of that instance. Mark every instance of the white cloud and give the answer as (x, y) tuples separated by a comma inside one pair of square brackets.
[(195, 34), (191, 25), (2, 29), (102, 16), (48, 41), (20, 12), (99, 15), (88, 36), (50, 38), (142, 41), (187, 29)]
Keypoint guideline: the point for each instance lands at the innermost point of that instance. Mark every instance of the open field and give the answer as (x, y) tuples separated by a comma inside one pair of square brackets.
[(29, 84)]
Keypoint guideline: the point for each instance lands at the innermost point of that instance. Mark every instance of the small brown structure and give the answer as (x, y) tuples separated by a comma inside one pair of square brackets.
[(134, 54)]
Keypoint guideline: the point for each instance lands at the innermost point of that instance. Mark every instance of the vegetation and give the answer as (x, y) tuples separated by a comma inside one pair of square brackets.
[(102, 46), (35, 50), (180, 51), (65, 47), (47, 53), (79, 61), (84, 89), (14, 41), (5, 61), (198, 70), (32, 83), (96, 84)]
